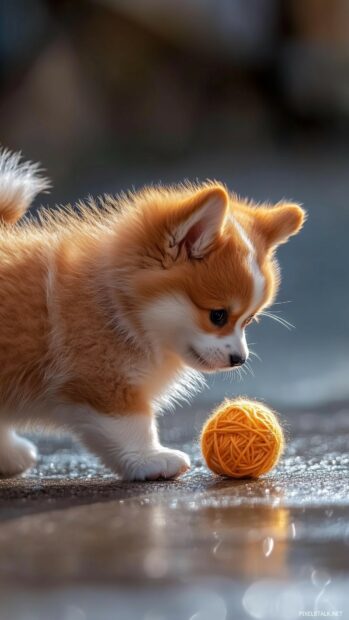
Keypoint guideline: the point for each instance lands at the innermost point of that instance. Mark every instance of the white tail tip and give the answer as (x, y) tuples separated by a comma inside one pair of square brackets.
[(20, 182)]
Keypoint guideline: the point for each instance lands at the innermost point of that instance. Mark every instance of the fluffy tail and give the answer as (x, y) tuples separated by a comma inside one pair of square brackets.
[(20, 182)]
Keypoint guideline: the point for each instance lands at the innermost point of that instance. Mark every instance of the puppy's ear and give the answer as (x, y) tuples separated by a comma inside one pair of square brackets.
[(195, 224), (276, 224)]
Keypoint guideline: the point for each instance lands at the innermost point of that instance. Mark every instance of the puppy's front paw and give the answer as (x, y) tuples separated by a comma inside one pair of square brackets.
[(161, 463), (16, 454)]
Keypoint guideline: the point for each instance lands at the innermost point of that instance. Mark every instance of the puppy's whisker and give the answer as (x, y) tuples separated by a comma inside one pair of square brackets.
[(229, 375), (277, 319), (242, 372), (254, 354), (249, 369)]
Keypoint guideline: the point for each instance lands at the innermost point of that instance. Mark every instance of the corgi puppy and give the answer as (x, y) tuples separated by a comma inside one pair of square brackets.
[(104, 307)]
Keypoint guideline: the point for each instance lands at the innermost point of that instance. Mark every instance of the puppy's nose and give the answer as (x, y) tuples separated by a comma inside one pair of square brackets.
[(236, 360)]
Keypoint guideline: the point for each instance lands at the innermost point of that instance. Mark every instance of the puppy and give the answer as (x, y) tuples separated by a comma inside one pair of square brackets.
[(104, 307)]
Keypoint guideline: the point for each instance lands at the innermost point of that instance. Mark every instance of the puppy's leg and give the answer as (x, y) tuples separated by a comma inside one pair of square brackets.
[(16, 453), (130, 446)]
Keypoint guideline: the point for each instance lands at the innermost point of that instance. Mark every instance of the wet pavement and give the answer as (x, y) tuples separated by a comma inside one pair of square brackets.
[(77, 544)]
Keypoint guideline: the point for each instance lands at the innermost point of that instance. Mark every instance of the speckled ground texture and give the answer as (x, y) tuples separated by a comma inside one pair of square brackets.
[(77, 544)]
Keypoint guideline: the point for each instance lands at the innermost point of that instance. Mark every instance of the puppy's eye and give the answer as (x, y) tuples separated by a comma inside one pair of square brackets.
[(248, 320), (219, 317)]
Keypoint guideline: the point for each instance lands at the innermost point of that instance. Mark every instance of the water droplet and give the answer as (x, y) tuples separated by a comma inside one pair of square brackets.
[(268, 546), (320, 578)]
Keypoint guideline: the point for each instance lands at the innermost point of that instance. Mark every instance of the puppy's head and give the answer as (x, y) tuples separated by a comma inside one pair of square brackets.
[(207, 270)]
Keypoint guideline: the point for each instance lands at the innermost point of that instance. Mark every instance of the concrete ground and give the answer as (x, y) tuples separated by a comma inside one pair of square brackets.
[(77, 544)]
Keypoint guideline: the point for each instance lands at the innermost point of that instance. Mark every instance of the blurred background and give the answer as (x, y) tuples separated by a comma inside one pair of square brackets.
[(113, 94)]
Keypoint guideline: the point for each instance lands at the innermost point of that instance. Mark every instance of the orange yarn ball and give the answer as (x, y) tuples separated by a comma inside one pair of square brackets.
[(242, 439)]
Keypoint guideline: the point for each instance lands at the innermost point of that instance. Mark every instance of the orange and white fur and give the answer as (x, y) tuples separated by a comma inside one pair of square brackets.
[(103, 308)]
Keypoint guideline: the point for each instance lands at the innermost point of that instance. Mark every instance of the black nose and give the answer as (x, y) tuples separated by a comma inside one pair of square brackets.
[(236, 360)]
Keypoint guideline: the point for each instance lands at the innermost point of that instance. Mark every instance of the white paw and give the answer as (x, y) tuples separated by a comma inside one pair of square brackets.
[(160, 463), (16, 454)]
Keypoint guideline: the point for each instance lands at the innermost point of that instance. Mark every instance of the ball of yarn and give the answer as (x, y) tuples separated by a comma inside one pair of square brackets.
[(242, 439)]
